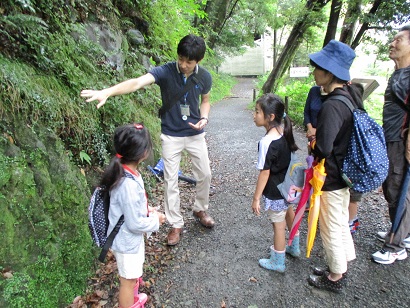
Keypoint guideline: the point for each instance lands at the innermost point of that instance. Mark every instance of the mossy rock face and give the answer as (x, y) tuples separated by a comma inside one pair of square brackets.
[(43, 201)]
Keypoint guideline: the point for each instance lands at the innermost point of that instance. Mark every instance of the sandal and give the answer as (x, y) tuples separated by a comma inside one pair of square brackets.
[(320, 271), (323, 282)]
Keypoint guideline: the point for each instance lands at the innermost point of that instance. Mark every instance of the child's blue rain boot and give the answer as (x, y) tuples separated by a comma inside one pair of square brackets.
[(276, 262), (294, 249)]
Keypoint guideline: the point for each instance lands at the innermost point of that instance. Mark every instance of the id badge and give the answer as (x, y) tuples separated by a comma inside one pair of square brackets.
[(185, 112)]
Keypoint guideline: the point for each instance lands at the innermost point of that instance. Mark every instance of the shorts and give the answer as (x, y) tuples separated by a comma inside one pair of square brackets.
[(130, 265), (275, 205), (276, 209), (276, 216)]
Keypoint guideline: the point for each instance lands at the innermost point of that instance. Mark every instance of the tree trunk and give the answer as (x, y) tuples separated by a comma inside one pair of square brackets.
[(365, 25), (350, 21), (275, 43), (217, 12), (333, 21), (292, 44)]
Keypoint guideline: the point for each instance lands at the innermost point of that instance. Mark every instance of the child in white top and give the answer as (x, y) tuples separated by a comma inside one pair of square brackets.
[(133, 145), (274, 152)]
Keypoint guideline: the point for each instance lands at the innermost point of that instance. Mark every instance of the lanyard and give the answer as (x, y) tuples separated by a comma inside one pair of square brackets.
[(186, 94)]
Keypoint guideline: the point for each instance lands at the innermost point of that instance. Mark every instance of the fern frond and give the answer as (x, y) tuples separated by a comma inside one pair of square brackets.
[(25, 21)]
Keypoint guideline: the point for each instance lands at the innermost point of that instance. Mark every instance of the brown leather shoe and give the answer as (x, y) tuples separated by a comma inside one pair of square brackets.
[(174, 236), (204, 219)]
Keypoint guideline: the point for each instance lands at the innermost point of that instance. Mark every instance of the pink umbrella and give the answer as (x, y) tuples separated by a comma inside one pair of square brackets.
[(304, 197)]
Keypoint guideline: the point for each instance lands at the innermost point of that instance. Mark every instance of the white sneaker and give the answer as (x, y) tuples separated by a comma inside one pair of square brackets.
[(387, 257), (382, 235), (406, 242)]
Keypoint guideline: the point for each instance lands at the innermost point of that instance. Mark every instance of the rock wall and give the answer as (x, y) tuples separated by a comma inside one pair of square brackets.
[(43, 206)]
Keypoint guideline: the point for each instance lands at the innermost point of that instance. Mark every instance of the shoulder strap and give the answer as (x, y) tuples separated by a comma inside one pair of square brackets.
[(349, 104), (345, 100), (188, 86), (402, 105), (114, 232), (110, 239)]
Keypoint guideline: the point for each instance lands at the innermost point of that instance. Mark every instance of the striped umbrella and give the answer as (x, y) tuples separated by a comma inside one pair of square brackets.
[(300, 210)]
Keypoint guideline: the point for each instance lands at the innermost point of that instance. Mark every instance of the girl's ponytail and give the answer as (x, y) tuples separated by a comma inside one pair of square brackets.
[(272, 104), (112, 174), (288, 133)]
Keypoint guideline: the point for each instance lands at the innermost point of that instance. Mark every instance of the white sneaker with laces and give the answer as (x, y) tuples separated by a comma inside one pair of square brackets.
[(382, 235), (387, 257), (406, 242)]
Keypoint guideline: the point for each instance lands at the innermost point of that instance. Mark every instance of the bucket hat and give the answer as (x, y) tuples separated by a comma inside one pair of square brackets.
[(335, 57)]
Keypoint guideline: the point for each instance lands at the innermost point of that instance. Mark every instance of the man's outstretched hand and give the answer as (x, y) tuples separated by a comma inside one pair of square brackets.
[(101, 96)]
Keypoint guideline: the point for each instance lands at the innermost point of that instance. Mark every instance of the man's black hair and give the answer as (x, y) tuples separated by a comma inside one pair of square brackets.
[(406, 28), (192, 47)]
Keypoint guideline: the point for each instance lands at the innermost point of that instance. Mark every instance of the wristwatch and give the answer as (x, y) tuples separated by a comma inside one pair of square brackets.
[(205, 118)]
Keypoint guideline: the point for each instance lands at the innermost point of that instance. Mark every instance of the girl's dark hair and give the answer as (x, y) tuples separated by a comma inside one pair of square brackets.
[(272, 104), (132, 143), (192, 47)]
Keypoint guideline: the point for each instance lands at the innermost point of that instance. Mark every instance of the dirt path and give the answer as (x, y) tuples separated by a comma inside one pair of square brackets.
[(213, 268)]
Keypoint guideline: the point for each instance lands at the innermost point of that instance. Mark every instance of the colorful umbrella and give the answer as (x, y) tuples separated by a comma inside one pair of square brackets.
[(300, 210), (401, 204), (317, 182)]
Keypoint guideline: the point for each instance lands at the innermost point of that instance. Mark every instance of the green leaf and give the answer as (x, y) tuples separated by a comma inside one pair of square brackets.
[(84, 157)]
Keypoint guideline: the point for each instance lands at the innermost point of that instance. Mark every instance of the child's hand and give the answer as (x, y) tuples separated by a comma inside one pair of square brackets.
[(256, 207), (161, 218), (152, 209), (311, 133)]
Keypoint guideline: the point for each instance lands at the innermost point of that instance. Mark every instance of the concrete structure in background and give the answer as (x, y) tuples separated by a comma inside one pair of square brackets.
[(369, 85), (256, 60)]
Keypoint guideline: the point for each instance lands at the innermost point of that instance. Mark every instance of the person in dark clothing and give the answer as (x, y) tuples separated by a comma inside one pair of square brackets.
[(313, 104), (394, 115), (183, 120), (274, 156), (335, 121)]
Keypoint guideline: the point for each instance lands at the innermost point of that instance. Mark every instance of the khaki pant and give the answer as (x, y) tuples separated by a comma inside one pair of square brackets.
[(197, 150), (334, 229)]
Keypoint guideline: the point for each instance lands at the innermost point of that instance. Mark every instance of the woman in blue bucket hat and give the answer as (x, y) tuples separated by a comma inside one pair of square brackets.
[(334, 121)]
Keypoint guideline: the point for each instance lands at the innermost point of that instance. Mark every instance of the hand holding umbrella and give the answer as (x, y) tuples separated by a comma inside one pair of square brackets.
[(300, 210)]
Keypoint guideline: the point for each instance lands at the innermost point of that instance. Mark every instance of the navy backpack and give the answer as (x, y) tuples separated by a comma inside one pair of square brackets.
[(98, 219), (366, 164)]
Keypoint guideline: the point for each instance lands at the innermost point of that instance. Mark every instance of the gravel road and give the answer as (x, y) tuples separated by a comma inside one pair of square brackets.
[(219, 267)]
